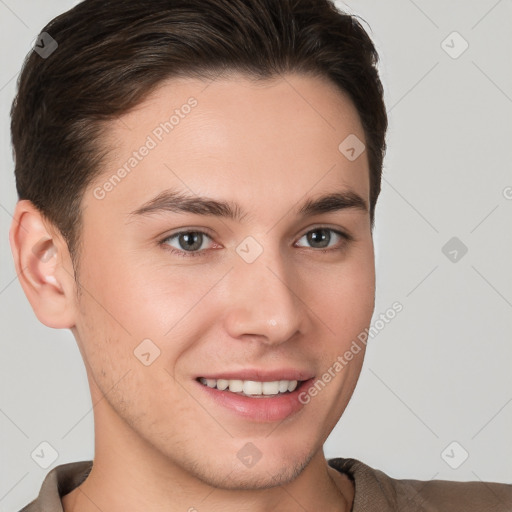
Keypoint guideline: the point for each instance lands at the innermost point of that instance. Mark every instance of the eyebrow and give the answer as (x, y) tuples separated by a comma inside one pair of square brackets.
[(180, 202)]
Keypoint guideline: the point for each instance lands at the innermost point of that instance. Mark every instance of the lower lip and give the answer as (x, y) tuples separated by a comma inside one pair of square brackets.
[(265, 409)]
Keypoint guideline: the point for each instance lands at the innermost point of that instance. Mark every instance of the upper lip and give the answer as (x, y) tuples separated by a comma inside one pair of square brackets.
[(262, 375)]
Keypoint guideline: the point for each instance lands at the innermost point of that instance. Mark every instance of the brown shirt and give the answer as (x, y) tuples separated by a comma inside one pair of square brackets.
[(374, 491)]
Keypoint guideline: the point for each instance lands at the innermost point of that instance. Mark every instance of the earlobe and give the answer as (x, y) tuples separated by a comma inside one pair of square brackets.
[(39, 256)]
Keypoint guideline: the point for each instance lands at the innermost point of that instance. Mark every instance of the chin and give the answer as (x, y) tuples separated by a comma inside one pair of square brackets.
[(276, 465), (259, 477)]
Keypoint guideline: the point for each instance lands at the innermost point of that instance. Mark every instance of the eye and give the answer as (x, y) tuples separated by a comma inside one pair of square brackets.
[(194, 242), (321, 237), (187, 243)]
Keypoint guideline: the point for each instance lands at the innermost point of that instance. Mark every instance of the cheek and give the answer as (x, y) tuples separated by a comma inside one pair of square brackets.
[(345, 293), (135, 295), (345, 308)]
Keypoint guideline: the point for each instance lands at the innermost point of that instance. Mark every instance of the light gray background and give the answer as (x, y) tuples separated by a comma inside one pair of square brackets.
[(441, 370)]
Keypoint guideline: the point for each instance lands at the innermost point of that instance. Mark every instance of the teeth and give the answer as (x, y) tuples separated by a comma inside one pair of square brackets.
[(283, 386), (211, 383), (270, 388), (236, 386), (292, 385), (222, 384), (251, 387)]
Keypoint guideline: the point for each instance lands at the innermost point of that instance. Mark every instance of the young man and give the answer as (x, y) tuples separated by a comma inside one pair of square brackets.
[(197, 184)]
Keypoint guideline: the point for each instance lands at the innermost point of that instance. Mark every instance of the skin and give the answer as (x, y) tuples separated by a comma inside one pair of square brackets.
[(160, 443)]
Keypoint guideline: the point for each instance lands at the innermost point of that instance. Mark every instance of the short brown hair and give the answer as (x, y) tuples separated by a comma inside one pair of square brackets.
[(112, 53)]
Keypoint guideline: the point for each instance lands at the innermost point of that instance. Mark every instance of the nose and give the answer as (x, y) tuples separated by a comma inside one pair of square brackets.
[(264, 300)]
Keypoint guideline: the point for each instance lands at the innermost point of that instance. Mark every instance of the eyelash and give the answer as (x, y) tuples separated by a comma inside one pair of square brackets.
[(188, 254)]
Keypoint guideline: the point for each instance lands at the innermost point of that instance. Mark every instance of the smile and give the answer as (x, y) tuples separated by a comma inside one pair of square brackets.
[(251, 387)]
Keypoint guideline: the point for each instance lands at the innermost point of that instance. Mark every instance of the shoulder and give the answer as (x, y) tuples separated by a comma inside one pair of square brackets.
[(376, 491), (58, 482)]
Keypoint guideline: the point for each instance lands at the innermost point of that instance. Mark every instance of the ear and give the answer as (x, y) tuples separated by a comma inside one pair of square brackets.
[(43, 266)]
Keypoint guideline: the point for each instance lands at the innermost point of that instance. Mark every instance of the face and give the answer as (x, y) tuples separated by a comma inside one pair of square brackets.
[(207, 258)]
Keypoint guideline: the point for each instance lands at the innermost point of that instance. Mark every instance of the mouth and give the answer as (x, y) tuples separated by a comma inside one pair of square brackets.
[(261, 401), (253, 388)]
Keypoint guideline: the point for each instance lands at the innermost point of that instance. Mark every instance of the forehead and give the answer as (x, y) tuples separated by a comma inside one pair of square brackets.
[(274, 139)]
